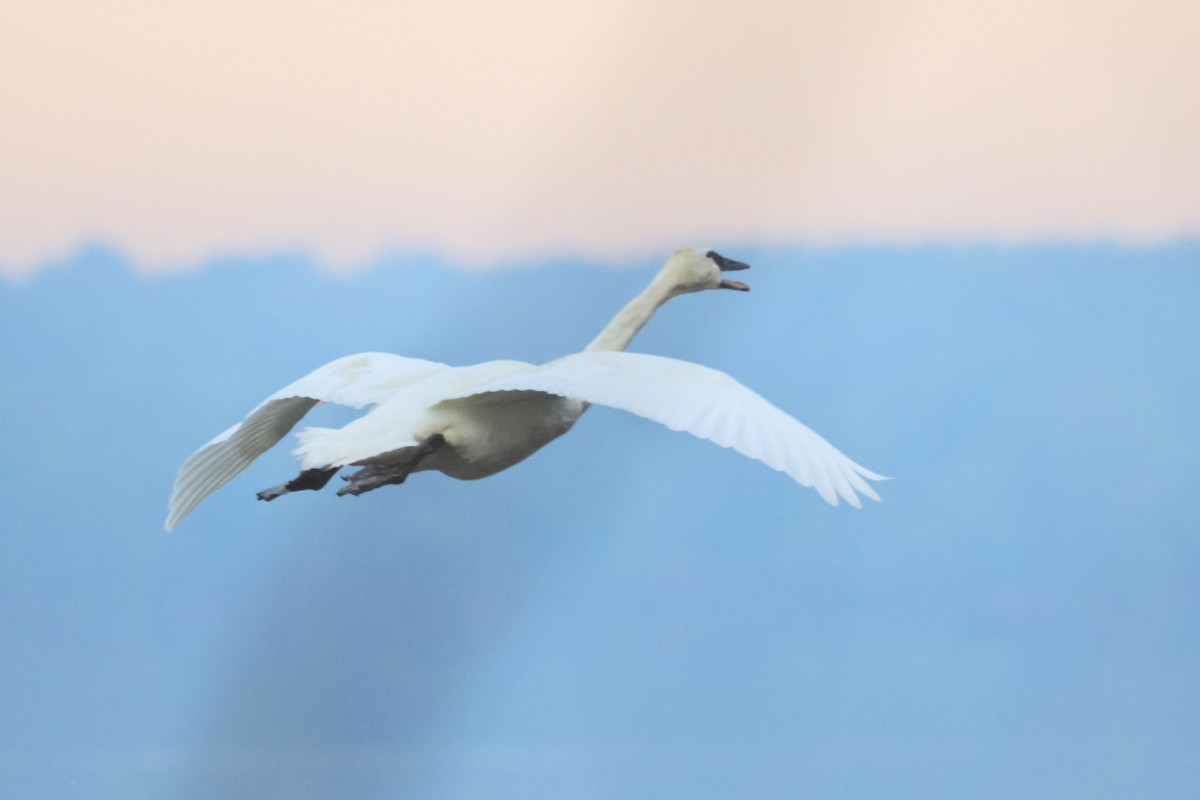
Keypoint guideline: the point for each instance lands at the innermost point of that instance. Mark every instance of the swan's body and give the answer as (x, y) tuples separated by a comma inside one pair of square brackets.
[(471, 422), (486, 430)]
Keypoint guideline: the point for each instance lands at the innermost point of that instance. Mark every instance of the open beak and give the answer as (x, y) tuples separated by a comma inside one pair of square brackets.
[(729, 265)]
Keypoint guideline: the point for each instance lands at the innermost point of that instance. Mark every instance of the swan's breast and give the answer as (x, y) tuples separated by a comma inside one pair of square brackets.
[(491, 432)]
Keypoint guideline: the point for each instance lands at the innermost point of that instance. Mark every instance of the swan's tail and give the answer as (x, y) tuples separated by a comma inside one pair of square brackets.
[(357, 443), (316, 447)]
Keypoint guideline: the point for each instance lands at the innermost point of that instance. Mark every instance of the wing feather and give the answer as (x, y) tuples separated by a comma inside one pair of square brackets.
[(704, 402), (356, 381)]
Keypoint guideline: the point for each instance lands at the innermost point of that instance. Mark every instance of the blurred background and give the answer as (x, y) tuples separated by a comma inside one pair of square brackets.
[(974, 239)]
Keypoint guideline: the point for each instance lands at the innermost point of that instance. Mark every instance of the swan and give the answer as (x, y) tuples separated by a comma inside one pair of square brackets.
[(474, 421)]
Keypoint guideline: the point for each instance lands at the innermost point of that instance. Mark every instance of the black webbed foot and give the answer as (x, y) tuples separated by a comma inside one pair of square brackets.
[(372, 477), (308, 480), (273, 492), (366, 480)]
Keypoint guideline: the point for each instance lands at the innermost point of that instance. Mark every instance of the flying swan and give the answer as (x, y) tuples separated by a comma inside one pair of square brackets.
[(471, 422)]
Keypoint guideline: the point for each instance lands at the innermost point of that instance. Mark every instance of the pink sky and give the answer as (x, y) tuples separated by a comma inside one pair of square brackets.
[(493, 131)]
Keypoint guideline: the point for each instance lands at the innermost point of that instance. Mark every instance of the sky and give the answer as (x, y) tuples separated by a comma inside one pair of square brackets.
[(974, 231), (631, 611), (609, 130)]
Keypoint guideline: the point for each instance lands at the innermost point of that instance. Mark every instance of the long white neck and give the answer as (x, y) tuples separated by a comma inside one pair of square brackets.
[(618, 333)]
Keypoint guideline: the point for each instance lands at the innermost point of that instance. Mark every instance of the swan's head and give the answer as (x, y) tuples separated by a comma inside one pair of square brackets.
[(695, 269)]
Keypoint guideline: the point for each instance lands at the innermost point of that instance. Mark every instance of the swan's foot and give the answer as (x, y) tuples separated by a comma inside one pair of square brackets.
[(273, 492), (309, 479), (367, 480), (372, 477)]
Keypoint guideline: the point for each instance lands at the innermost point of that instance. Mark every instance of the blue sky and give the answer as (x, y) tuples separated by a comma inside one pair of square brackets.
[(631, 611)]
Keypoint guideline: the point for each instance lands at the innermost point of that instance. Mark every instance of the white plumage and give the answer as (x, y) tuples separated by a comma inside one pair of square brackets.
[(471, 422)]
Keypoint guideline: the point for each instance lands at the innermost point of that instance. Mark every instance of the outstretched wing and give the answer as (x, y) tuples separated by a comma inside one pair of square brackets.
[(356, 381), (706, 403)]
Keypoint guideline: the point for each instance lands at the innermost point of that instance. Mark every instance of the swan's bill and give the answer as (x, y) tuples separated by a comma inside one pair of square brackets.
[(726, 264), (737, 286)]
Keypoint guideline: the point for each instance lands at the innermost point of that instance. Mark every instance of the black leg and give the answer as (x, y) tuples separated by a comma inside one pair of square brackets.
[(310, 479), (372, 477)]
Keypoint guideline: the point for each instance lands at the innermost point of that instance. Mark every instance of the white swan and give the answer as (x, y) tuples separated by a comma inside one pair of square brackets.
[(471, 422)]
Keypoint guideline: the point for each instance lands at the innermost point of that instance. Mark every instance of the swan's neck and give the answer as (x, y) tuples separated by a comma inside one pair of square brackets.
[(629, 320)]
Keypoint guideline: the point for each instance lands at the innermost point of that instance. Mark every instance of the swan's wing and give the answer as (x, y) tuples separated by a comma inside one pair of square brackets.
[(706, 403), (355, 381)]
